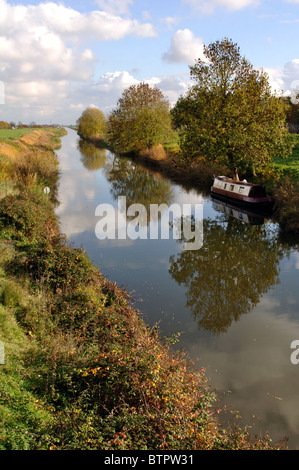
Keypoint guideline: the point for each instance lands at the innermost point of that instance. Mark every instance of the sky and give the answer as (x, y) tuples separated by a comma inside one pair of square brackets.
[(59, 58)]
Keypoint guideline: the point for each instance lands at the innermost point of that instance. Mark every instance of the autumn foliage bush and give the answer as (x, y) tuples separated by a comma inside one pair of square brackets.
[(28, 216), (156, 153)]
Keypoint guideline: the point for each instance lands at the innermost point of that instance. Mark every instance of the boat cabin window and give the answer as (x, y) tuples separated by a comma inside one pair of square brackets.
[(241, 190), (257, 191), (231, 187), (225, 186)]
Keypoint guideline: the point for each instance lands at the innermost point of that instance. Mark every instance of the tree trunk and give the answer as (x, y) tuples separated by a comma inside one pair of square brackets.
[(235, 174)]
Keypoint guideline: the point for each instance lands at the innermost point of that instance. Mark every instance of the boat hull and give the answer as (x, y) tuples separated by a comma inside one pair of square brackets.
[(243, 200)]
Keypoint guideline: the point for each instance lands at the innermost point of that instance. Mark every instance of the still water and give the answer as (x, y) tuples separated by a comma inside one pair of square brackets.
[(234, 301)]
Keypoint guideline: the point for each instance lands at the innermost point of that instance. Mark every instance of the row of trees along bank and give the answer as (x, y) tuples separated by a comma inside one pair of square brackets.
[(230, 120), (142, 120), (229, 116)]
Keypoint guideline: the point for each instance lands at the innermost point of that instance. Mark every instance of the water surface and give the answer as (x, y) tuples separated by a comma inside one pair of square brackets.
[(234, 301)]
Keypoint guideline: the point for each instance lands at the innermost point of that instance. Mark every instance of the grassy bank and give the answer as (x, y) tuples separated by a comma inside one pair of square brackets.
[(82, 370), (14, 134), (285, 190), (289, 168)]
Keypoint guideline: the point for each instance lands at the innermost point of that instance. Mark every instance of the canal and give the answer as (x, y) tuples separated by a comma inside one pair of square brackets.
[(233, 301)]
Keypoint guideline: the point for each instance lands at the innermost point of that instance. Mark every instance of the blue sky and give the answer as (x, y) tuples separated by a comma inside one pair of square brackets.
[(57, 58)]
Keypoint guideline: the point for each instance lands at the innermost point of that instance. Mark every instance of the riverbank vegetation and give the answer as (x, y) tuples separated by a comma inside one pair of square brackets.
[(82, 371)]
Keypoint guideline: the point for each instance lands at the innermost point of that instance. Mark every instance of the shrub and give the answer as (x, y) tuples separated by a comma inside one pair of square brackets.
[(156, 153), (11, 294), (287, 205), (39, 165), (28, 216)]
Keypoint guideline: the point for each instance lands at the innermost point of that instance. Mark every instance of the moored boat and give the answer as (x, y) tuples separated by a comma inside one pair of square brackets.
[(241, 192)]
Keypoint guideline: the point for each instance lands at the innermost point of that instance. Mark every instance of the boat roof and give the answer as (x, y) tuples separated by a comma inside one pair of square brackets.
[(231, 180)]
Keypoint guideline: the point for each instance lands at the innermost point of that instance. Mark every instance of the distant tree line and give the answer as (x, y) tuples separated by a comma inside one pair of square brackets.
[(228, 117), (20, 125), (4, 125)]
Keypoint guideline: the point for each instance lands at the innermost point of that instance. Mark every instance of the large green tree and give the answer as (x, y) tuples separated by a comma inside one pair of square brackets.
[(230, 115), (92, 125), (141, 119)]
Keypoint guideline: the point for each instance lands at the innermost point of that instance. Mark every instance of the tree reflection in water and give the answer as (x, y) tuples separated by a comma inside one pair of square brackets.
[(93, 158), (227, 277), (237, 264), (139, 187)]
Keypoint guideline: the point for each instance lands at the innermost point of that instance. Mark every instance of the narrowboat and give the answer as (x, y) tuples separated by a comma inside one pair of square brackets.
[(241, 192)]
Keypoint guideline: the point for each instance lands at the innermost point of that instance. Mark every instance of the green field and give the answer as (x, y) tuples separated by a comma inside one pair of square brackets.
[(14, 134), (289, 166)]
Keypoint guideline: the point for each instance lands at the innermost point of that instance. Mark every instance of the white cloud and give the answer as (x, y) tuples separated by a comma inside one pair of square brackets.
[(276, 80), (185, 48), (116, 80), (208, 6), (170, 21), (40, 101), (42, 42), (103, 94), (110, 86), (291, 72), (70, 23), (285, 79), (115, 7), (109, 89), (290, 76), (63, 102), (43, 53), (173, 86)]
